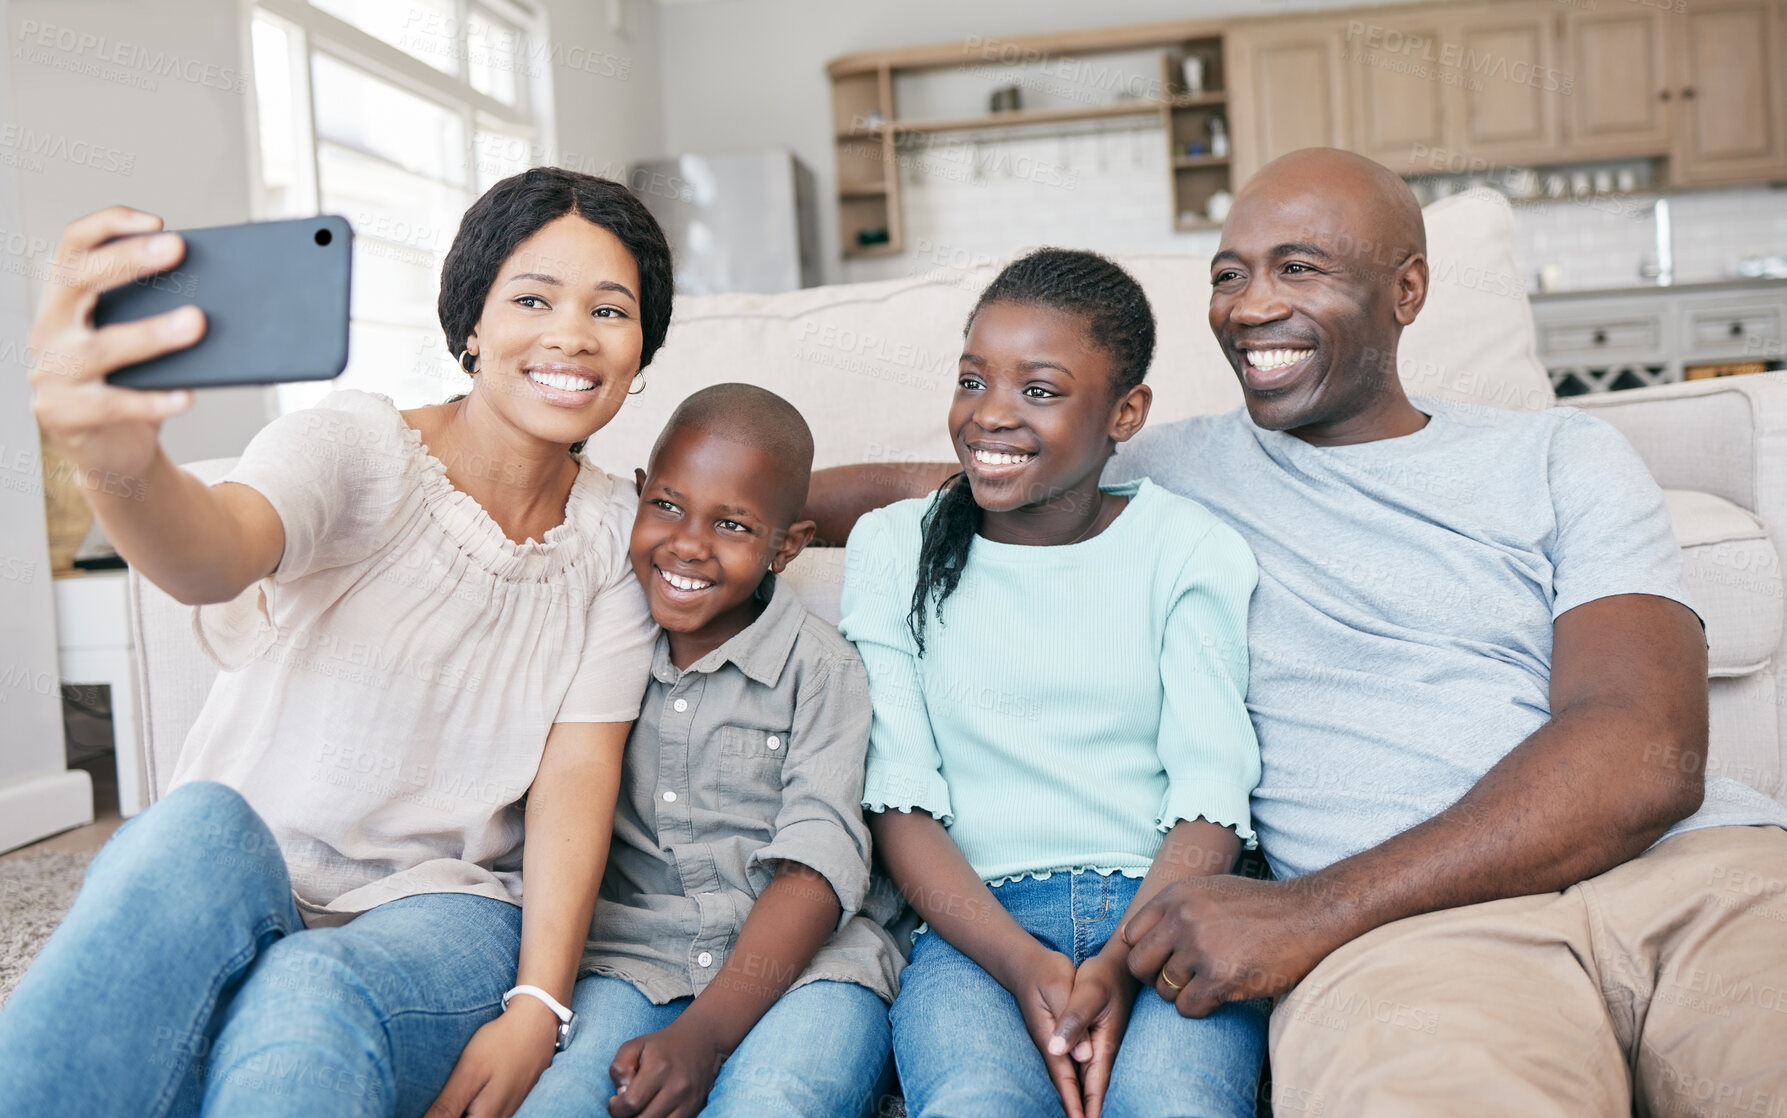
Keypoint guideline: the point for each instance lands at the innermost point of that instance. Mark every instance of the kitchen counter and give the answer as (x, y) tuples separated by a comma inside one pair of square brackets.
[(1634, 337), (1734, 286)]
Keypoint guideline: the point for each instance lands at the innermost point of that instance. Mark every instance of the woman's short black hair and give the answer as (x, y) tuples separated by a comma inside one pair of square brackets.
[(1115, 312), (518, 207)]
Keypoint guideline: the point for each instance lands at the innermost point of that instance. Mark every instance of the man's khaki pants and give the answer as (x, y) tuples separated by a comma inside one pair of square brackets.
[(1657, 988)]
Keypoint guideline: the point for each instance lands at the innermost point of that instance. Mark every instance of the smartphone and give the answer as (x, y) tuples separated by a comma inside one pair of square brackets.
[(275, 297)]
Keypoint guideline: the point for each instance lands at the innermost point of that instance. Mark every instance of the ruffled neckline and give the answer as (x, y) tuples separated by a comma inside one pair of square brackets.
[(477, 535)]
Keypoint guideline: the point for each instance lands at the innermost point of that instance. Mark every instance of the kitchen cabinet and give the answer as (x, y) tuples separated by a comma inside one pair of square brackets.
[(1598, 341), (1728, 92), (1397, 86), (1288, 91), (1734, 328), (1620, 102), (1510, 86), (1433, 88), (1428, 85)]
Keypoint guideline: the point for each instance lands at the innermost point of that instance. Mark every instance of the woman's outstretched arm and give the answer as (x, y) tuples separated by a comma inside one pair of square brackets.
[(198, 543)]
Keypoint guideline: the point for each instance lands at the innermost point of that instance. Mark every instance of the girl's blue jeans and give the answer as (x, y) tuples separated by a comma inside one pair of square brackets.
[(820, 1052), (184, 980), (962, 1047)]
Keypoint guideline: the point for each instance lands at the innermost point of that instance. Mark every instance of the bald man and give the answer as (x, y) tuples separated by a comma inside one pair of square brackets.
[(1503, 884)]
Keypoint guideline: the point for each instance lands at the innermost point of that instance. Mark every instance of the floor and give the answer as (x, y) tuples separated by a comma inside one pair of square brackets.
[(104, 770)]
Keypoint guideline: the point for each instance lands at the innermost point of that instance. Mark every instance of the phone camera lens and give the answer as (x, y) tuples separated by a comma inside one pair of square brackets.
[(323, 236)]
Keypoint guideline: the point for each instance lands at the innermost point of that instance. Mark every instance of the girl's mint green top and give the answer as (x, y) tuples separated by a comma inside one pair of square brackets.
[(1073, 702)]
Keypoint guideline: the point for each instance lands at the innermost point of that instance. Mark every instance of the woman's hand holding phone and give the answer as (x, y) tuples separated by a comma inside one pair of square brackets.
[(198, 543), (96, 426)]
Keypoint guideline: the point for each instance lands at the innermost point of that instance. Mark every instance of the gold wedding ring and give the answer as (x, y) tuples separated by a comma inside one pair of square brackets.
[(1163, 977)]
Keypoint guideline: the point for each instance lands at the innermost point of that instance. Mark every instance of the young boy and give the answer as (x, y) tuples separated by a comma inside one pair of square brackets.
[(730, 924)]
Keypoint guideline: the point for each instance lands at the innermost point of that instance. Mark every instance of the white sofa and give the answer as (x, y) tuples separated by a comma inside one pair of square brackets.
[(870, 365)]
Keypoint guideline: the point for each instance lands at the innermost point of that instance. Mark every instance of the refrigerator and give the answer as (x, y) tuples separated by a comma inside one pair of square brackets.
[(736, 221)]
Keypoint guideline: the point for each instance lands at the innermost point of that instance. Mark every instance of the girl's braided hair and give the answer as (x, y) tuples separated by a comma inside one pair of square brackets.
[(1117, 317)]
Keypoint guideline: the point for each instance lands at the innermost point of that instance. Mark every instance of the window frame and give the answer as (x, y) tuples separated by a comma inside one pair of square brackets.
[(312, 31)]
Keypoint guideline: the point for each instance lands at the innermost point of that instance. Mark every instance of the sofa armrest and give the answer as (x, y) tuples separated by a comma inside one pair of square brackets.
[(1726, 436)]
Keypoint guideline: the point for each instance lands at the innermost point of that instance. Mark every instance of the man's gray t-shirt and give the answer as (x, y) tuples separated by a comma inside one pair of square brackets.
[(1400, 637)]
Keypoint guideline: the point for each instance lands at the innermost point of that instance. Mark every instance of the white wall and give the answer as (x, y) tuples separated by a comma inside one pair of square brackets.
[(143, 104), (37, 797), (1601, 243), (606, 84)]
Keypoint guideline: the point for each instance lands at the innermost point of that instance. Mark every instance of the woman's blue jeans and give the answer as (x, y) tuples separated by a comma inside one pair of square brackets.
[(820, 1052), (963, 1050), (184, 980)]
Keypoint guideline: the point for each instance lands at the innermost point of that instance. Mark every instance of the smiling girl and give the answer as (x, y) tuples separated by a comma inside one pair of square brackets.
[(419, 616), (1057, 671)]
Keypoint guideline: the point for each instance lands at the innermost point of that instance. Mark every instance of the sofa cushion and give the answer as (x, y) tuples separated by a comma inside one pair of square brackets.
[(1744, 732), (1733, 576), (1473, 340), (817, 578), (872, 365)]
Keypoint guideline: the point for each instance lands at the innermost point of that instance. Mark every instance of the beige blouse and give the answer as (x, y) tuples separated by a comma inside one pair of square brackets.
[(386, 692)]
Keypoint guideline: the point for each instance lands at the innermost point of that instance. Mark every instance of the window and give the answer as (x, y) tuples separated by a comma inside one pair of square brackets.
[(396, 116)]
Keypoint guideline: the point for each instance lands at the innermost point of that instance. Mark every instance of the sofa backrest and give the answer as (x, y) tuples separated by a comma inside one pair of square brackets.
[(872, 368), (872, 365)]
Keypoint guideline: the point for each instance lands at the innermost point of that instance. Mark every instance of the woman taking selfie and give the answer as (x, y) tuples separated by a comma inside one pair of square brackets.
[(420, 616)]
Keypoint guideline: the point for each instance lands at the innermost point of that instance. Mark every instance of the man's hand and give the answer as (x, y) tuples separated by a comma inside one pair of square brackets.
[(666, 1074), (1042, 982), (1225, 939), (500, 1065), (1092, 1027)]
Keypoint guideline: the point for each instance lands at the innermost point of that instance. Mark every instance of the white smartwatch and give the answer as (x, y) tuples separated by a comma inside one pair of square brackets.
[(567, 1020)]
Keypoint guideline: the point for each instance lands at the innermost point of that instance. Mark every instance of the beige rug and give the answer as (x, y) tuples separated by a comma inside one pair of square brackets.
[(36, 888)]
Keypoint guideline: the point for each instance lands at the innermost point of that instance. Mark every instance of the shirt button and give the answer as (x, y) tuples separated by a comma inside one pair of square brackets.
[(705, 959), (680, 705), (774, 742), (670, 797)]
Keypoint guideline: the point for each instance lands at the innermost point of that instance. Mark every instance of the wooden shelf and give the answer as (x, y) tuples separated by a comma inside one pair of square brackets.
[(1028, 116), (1186, 101), (868, 155), (886, 249), (1034, 116), (979, 53)]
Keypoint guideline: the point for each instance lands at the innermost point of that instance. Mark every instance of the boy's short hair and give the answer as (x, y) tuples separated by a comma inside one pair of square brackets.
[(757, 418)]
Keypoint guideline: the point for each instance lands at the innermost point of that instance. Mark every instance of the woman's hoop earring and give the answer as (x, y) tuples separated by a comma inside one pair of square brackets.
[(638, 384), (469, 362)]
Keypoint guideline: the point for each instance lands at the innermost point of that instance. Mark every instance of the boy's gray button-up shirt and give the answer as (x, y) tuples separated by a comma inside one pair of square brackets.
[(752, 756)]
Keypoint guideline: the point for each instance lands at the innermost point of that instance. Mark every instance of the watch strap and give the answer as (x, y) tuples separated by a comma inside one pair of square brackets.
[(559, 1010)]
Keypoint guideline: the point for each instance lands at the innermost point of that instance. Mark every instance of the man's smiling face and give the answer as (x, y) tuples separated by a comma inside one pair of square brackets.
[(1321, 266)]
